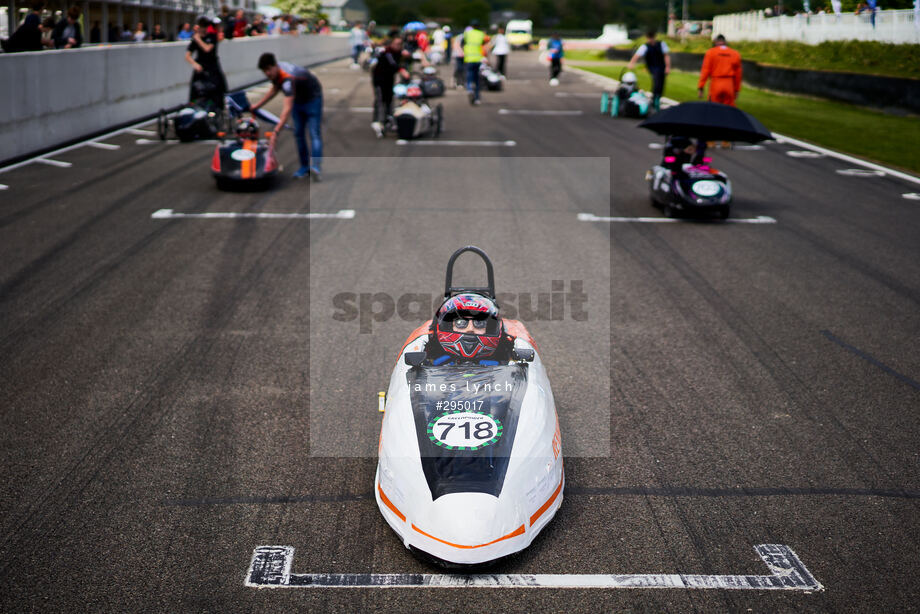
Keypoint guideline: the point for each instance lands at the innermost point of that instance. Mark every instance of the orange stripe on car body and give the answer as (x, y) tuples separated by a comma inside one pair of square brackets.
[(248, 167), (515, 533), (549, 501), (389, 504), (516, 329)]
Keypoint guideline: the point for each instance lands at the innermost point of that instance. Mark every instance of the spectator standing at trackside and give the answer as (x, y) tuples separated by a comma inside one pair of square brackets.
[(357, 40), (500, 48), (389, 64), (459, 66), (227, 23), (303, 100), (28, 36), (67, 33), (47, 29), (205, 62), (657, 61), (158, 34), (140, 33), (472, 42), (95, 34), (239, 24), (722, 68), (257, 27), (448, 44), (555, 49), (185, 33)]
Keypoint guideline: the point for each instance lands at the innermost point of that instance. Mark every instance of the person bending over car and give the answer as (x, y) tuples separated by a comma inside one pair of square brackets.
[(303, 100)]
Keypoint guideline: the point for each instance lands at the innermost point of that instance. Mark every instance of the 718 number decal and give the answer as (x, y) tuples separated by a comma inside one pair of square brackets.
[(464, 430)]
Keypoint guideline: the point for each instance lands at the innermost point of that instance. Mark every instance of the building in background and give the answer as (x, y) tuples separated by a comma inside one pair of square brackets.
[(345, 11)]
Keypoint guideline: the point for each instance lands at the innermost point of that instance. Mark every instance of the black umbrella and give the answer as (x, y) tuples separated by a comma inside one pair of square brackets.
[(708, 120)]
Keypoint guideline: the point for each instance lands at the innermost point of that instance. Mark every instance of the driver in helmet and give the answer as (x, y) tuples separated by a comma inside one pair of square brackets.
[(467, 328), (247, 129)]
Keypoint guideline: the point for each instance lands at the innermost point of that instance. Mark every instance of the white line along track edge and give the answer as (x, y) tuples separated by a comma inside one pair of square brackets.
[(271, 568)]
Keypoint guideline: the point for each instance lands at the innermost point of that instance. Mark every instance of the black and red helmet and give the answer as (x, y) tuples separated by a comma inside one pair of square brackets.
[(247, 128), (468, 326)]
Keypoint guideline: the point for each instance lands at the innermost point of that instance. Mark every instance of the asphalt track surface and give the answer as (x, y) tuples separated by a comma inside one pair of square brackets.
[(177, 392)]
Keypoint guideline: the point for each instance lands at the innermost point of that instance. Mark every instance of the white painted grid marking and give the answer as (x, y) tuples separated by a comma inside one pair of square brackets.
[(57, 163), (139, 132), (576, 95), (169, 214), (590, 217), (271, 568), (4, 186), (860, 172), (539, 112), (107, 146), (459, 143), (804, 154), (911, 196)]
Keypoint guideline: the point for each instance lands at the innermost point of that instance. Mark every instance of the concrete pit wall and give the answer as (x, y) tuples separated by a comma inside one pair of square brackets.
[(50, 98)]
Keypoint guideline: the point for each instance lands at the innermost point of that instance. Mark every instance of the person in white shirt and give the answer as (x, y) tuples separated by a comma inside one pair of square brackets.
[(500, 49), (357, 39)]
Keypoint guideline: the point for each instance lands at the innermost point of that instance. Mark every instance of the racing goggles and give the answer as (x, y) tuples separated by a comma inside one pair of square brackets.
[(477, 324)]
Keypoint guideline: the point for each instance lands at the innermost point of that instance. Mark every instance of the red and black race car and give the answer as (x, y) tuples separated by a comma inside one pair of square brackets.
[(245, 160)]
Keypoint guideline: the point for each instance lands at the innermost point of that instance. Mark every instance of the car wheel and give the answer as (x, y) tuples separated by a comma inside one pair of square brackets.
[(668, 210), (222, 183), (162, 124), (438, 119), (723, 213)]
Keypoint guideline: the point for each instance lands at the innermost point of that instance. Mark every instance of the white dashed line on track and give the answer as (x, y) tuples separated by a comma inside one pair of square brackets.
[(748, 147), (6, 187), (169, 214), (656, 145), (911, 196), (271, 568), (590, 217), (106, 146), (539, 112), (57, 163), (361, 109), (576, 95), (459, 143), (860, 172), (155, 141), (804, 154), (139, 132)]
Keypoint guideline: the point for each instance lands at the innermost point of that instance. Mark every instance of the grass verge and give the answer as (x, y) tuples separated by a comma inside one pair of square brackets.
[(864, 57), (848, 128)]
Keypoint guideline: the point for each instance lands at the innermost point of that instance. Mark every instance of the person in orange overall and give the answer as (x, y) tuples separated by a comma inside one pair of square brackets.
[(721, 65)]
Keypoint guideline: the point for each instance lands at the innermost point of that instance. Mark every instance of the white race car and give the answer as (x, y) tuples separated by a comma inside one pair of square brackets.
[(470, 455)]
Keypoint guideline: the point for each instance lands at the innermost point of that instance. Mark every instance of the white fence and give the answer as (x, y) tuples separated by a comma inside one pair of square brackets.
[(50, 97), (901, 26)]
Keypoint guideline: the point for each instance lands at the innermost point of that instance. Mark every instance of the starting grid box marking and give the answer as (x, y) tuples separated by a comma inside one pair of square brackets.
[(271, 568)]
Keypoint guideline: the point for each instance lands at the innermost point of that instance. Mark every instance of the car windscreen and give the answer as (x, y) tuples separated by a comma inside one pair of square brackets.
[(465, 421)]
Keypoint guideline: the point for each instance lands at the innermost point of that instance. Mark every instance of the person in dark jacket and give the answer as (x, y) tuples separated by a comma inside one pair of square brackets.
[(657, 60), (28, 36), (67, 33), (208, 76)]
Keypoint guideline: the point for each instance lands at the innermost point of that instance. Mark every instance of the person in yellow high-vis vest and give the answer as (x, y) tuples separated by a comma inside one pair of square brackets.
[(473, 42)]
